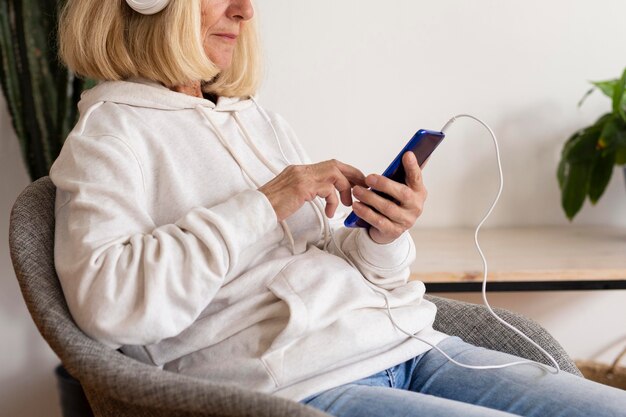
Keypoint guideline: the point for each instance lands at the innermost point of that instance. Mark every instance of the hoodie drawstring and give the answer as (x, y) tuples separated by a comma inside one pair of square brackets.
[(247, 173), (317, 204)]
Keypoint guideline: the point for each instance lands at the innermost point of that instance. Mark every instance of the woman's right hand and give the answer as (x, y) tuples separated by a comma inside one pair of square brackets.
[(297, 184)]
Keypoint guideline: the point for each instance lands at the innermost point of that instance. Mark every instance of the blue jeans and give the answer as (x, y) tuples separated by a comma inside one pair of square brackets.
[(431, 386)]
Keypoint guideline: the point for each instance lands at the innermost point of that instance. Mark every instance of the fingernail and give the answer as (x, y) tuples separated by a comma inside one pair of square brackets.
[(371, 180)]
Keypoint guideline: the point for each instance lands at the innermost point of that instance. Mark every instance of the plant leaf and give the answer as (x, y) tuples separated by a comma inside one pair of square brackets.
[(607, 87), (564, 152), (620, 138), (601, 171), (620, 156), (603, 119), (618, 95), (613, 135), (576, 184), (582, 146), (561, 172), (587, 94)]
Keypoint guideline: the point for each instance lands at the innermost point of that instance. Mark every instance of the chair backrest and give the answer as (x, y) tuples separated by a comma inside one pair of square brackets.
[(31, 242), (115, 384)]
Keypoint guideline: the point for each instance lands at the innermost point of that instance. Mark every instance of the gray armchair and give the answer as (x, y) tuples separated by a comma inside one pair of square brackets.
[(116, 385)]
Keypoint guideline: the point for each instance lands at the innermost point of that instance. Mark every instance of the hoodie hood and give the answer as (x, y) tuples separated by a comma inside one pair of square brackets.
[(133, 92)]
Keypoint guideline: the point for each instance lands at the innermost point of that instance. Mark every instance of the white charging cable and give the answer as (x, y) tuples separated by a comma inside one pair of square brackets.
[(556, 368)]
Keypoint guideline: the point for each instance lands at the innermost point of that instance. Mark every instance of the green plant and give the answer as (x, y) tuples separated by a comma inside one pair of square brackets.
[(589, 155), (41, 94)]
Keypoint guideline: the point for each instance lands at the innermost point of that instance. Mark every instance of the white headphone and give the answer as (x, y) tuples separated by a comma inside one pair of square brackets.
[(147, 6)]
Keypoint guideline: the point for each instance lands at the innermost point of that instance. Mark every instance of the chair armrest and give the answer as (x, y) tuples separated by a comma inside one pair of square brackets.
[(474, 324), (120, 386)]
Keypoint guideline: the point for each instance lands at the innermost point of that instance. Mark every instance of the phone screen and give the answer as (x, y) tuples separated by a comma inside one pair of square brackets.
[(422, 144)]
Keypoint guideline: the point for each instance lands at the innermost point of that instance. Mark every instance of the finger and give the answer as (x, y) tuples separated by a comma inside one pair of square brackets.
[(343, 185), (400, 192), (355, 176), (386, 207), (413, 172), (376, 220), (329, 194), (331, 172)]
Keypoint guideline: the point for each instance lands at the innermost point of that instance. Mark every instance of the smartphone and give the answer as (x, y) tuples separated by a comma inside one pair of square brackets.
[(422, 144)]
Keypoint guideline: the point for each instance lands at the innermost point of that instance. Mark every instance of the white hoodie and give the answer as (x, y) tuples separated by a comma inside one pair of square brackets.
[(165, 247)]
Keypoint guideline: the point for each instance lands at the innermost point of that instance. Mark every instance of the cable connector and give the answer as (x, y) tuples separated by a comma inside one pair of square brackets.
[(444, 129)]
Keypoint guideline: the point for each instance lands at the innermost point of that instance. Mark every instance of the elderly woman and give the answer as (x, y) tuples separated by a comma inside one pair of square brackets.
[(193, 233)]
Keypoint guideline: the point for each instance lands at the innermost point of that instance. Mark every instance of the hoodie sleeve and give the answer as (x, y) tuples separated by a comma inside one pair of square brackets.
[(128, 281), (385, 265)]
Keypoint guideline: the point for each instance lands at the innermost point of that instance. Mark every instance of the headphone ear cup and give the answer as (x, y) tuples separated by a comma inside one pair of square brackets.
[(147, 6)]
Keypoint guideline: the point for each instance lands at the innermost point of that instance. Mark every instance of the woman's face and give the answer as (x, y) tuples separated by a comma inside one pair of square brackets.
[(221, 26)]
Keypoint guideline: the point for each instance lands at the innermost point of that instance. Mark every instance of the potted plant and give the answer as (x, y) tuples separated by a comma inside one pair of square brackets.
[(589, 155), (41, 93)]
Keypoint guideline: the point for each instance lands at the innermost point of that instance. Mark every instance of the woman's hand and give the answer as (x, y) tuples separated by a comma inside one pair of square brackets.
[(300, 183), (392, 219)]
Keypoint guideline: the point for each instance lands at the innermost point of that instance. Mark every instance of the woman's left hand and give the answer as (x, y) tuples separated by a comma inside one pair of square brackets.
[(392, 218)]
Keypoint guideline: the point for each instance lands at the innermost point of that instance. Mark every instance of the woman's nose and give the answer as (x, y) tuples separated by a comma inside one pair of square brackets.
[(241, 9)]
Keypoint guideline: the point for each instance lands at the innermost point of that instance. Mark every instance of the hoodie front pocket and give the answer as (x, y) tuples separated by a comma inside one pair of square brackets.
[(297, 319), (327, 301)]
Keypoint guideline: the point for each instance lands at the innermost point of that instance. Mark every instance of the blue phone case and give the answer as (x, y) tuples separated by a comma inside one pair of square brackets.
[(422, 144)]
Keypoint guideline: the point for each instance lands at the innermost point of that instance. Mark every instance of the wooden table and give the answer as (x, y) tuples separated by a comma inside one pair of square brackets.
[(538, 258)]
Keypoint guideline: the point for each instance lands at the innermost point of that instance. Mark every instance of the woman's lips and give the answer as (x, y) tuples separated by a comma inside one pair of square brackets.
[(227, 36)]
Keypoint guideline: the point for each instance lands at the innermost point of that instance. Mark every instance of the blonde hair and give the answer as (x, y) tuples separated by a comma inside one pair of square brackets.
[(107, 40)]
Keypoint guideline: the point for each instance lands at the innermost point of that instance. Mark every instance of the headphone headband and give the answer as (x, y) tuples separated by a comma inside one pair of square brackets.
[(147, 6)]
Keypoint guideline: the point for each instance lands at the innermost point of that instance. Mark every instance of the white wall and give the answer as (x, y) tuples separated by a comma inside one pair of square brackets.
[(357, 78)]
